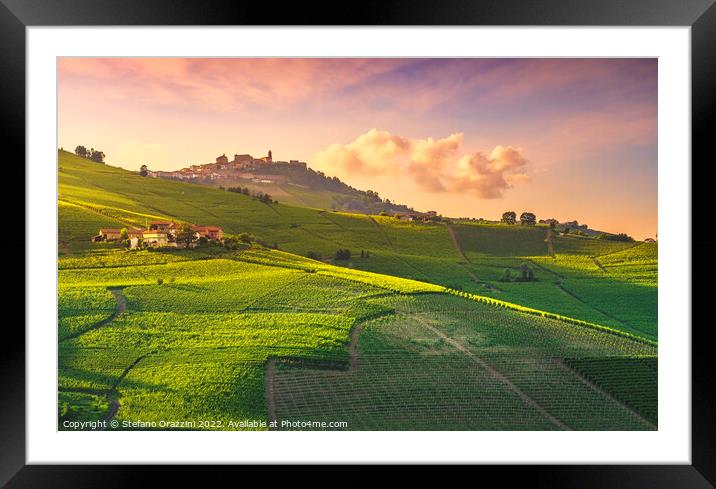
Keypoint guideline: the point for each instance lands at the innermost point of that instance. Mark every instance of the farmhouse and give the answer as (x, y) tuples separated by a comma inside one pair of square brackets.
[(156, 238), (208, 232), (135, 233), (165, 226), (108, 234), (158, 234), (408, 216)]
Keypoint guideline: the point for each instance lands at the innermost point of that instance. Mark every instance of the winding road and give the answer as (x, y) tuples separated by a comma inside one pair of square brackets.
[(121, 307)]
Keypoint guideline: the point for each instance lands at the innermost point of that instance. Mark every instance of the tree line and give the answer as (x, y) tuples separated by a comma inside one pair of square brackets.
[(526, 218), (91, 154)]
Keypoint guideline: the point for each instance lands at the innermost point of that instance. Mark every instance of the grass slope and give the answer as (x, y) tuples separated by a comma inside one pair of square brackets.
[(196, 345), (442, 337), (93, 195)]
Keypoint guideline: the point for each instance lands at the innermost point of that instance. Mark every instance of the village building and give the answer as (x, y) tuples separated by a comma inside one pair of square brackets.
[(158, 234), (301, 164), (135, 233), (222, 168), (209, 232), (242, 160), (164, 226), (269, 178), (408, 216), (108, 234), (155, 238)]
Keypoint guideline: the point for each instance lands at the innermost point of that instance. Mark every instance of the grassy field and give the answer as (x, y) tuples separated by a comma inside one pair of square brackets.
[(194, 346), (256, 334)]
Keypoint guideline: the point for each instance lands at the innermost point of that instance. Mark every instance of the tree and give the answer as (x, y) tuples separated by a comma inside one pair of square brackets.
[(185, 234), (81, 151), (526, 273), (143, 170), (96, 155), (123, 234), (343, 254), (509, 217), (507, 275), (528, 219), (245, 238), (616, 237)]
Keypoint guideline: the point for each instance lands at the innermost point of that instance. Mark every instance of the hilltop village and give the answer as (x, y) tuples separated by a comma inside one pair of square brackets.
[(242, 167)]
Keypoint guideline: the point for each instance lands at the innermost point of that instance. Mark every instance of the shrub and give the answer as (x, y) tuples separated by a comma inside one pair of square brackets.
[(343, 254), (507, 275), (616, 237), (526, 273), (245, 238)]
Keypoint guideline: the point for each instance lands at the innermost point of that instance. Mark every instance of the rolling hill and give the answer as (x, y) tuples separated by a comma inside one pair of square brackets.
[(173, 334)]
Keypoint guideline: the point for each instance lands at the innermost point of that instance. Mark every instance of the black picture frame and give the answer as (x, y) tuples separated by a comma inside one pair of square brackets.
[(16, 15)]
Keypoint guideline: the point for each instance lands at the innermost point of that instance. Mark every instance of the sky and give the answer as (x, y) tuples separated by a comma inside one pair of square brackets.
[(562, 138)]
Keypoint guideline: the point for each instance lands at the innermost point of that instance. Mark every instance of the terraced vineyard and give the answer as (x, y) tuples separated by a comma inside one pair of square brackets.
[(632, 380), (442, 363), (414, 334)]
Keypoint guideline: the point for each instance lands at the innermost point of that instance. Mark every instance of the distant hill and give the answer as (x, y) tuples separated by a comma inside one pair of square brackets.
[(472, 257), (290, 182)]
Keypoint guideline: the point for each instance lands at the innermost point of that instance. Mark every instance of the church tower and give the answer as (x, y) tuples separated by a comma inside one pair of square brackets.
[(270, 158)]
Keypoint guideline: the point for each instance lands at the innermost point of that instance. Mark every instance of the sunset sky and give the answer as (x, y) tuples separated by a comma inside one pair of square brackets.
[(563, 138)]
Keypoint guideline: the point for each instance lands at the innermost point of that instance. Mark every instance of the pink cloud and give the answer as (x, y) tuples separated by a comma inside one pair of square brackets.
[(218, 84), (433, 165), (487, 177)]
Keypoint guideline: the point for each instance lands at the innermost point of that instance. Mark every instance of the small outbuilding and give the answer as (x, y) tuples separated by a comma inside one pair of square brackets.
[(109, 234)]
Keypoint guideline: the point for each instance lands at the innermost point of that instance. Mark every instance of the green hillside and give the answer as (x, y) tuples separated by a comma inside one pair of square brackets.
[(419, 330), (93, 195)]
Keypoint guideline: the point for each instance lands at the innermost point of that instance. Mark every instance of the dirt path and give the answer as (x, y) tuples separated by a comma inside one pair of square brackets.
[(130, 367), (472, 274), (113, 408), (599, 265), (604, 393), (548, 240), (390, 243), (270, 373), (382, 232), (576, 297), (121, 307), (114, 394), (269, 394), (456, 243), (353, 347), (495, 373)]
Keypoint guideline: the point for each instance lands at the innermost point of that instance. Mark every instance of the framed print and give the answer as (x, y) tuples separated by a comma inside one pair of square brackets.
[(432, 238)]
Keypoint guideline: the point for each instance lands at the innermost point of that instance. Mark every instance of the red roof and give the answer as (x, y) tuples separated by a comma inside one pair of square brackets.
[(109, 231), (206, 228)]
